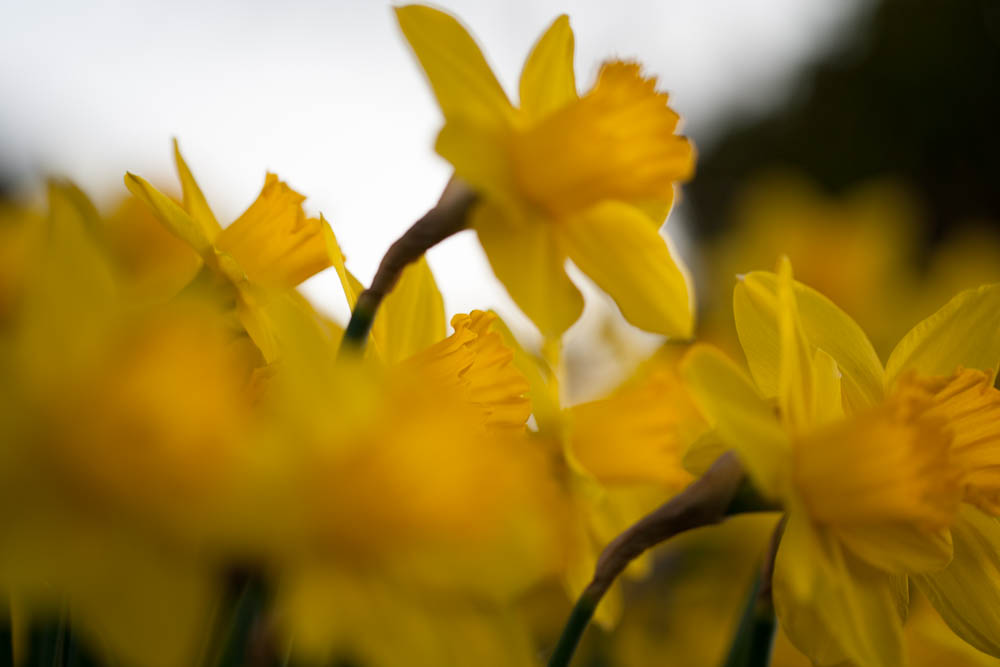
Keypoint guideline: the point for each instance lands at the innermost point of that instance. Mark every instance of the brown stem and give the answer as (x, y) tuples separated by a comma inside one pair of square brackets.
[(722, 491), (706, 501), (449, 216)]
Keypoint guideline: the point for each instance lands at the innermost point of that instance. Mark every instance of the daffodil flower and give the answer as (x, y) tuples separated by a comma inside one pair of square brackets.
[(273, 244), (887, 474), (589, 178)]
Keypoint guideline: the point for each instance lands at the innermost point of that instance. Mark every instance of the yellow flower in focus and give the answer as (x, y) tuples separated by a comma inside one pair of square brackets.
[(587, 178), (273, 244), (886, 473)]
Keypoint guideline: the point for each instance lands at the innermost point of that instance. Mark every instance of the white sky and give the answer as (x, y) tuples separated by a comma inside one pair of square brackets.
[(327, 95)]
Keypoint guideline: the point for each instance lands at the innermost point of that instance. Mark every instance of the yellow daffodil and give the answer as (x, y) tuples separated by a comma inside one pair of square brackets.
[(589, 178), (273, 244), (886, 473)]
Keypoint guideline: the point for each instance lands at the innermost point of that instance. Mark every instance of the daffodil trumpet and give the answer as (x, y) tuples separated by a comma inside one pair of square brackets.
[(448, 217), (724, 490)]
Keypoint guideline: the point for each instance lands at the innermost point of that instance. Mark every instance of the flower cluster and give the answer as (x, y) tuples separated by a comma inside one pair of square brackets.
[(198, 467)]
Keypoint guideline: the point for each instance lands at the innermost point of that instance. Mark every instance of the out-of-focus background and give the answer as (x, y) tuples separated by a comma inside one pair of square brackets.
[(858, 136)]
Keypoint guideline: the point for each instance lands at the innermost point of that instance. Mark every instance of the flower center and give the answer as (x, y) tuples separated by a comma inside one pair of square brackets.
[(890, 464), (970, 405), (616, 142)]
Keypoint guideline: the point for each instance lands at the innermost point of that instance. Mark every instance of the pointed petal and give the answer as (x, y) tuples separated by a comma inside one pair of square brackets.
[(351, 286), (965, 332), (462, 80), (175, 218), (480, 158), (615, 245), (967, 592), (526, 259), (548, 81), (194, 201), (411, 318), (795, 373), (741, 418), (833, 606), (825, 326)]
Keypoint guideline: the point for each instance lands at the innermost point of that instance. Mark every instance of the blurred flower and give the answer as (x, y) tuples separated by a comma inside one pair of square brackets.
[(416, 502), (589, 178), (103, 441), (617, 458), (884, 472)]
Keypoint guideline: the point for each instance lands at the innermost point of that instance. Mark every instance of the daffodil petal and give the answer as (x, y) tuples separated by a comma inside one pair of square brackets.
[(833, 606), (967, 592), (411, 318), (898, 547), (614, 244), (175, 218), (548, 81), (741, 418), (480, 158), (462, 80), (194, 200), (965, 332), (825, 326), (827, 398), (526, 259), (795, 382), (543, 389)]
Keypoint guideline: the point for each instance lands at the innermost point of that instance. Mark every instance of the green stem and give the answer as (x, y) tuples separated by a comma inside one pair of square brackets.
[(751, 646), (578, 621), (244, 616)]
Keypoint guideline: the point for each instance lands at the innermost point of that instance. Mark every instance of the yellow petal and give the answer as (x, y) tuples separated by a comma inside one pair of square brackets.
[(411, 318), (352, 286), (462, 80), (825, 326), (194, 201), (833, 606), (273, 241), (965, 332), (827, 399), (741, 418), (548, 81), (175, 218), (615, 245), (898, 547), (479, 156), (526, 259), (795, 381), (637, 434), (543, 391), (967, 592)]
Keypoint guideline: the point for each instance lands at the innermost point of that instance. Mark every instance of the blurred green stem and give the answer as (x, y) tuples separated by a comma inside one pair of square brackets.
[(754, 638)]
